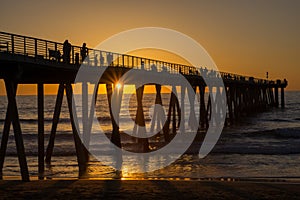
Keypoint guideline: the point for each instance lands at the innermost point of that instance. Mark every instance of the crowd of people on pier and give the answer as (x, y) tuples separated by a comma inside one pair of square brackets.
[(186, 70)]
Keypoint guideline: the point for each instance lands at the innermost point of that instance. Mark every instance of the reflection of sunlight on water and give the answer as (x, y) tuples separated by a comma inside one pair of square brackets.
[(187, 167), (64, 161)]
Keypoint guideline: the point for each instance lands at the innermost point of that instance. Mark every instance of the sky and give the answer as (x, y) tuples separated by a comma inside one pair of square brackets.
[(249, 37)]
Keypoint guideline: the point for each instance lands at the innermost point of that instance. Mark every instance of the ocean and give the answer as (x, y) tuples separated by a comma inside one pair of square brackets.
[(263, 145)]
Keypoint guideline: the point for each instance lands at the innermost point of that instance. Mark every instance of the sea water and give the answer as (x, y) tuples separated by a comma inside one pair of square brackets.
[(263, 145)]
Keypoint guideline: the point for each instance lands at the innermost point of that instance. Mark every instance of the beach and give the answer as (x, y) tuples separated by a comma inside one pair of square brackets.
[(147, 189)]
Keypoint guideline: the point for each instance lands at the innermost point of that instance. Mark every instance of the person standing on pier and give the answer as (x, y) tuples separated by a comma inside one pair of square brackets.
[(66, 51), (96, 60), (77, 58), (101, 59), (83, 52), (109, 58)]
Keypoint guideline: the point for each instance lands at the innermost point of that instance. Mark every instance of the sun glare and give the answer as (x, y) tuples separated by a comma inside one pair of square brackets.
[(118, 86)]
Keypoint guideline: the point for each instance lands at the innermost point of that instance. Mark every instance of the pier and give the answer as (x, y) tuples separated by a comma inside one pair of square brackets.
[(28, 60)]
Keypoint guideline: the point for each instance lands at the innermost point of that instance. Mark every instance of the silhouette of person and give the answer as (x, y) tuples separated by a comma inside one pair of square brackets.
[(66, 51), (77, 58), (153, 68), (109, 58), (83, 52), (205, 72), (96, 60), (101, 59), (142, 65)]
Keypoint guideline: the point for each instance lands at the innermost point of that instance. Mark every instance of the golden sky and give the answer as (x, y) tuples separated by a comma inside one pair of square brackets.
[(248, 37)]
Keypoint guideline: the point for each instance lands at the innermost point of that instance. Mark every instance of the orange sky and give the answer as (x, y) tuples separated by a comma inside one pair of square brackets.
[(245, 37)]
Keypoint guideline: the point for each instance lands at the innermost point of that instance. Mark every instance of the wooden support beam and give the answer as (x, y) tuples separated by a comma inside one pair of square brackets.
[(176, 107), (161, 118), (178, 110), (218, 105), (203, 118), (158, 117), (235, 101), (115, 138), (84, 111), (192, 118), (174, 110), (81, 151), (57, 109), (4, 139), (282, 97), (166, 127), (208, 111), (140, 127), (92, 110), (41, 152), (264, 96), (272, 97), (230, 95), (6, 129), (11, 91), (182, 97), (276, 97)]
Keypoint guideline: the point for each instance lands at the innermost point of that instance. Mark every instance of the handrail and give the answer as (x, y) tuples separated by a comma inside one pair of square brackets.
[(50, 50)]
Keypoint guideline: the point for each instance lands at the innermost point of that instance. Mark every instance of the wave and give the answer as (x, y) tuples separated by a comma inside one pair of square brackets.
[(49, 120), (61, 120), (280, 120), (36, 120), (279, 141), (288, 132), (291, 132), (253, 149)]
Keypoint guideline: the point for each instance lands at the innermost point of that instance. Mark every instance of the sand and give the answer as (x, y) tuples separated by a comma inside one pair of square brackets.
[(147, 189)]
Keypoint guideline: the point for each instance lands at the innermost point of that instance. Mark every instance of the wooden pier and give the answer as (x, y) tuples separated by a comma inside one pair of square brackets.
[(28, 60)]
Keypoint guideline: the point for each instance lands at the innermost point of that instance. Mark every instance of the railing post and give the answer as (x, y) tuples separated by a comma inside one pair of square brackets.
[(35, 47), (12, 44), (73, 61), (132, 61), (128, 65), (24, 45), (46, 50), (118, 60)]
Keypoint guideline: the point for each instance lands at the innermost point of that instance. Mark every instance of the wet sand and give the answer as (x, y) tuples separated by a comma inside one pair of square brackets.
[(147, 189)]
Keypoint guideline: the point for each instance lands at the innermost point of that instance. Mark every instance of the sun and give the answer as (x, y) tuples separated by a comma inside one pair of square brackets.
[(118, 86)]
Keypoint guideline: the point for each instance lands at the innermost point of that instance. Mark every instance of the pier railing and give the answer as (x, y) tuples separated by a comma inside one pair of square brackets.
[(44, 49)]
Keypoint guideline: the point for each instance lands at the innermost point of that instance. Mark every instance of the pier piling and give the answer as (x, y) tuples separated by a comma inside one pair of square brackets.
[(41, 131)]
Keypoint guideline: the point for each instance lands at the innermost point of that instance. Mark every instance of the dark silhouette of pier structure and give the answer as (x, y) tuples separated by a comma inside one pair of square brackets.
[(28, 60)]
